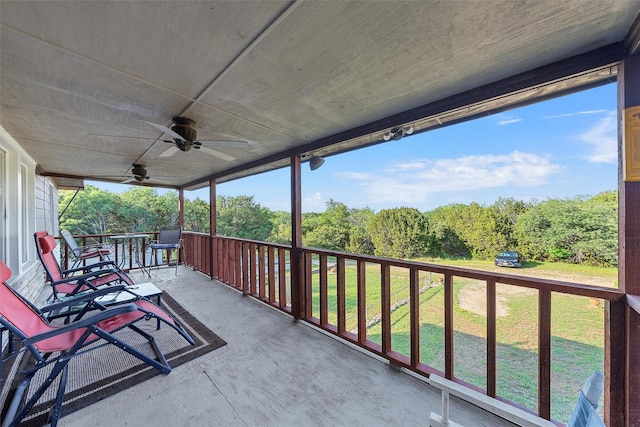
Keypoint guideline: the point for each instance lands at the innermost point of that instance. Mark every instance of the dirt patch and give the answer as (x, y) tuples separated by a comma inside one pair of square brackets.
[(473, 298)]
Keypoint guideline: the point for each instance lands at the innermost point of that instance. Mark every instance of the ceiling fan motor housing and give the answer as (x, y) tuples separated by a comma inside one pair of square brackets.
[(188, 133), (185, 128), (139, 172)]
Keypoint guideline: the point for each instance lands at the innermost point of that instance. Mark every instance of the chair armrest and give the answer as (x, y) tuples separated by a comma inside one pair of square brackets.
[(99, 264), (82, 323), (84, 297), (88, 275), (96, 246)]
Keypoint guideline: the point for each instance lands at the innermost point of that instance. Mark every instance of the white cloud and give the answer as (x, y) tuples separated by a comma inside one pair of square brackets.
[(508, 121), (426, 178), (602, 138), (579, 113), (313, 203)]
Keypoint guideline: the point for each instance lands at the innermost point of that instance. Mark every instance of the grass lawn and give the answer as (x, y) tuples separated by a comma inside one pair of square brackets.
[(577, 328)]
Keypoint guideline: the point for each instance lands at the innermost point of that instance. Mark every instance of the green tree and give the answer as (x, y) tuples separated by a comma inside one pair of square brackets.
[(166, 208), (401, 233), (578, 230), (241, 217), (328, 230), (508, 211), (138, 211), (599, 243), (444, 221), (359, 238), (197, 215), (281, 230), (91, 211)]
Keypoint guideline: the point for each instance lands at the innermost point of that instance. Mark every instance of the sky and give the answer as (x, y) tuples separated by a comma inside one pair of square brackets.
[(562, 148)]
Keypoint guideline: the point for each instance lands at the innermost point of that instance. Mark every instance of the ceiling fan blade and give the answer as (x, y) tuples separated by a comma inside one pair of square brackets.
[(159, 181), (166, 130), (169, 152), (217, 153), (227, 144), (127, 181), (121, 136)]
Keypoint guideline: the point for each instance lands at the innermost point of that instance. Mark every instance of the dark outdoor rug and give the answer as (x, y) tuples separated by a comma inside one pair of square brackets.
[(101, 373)]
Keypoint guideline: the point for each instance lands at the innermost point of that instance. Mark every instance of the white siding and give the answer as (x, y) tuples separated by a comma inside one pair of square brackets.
[(29, 203)]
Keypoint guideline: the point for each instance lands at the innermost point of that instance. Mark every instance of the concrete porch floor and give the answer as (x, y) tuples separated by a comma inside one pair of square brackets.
[(272, 372)]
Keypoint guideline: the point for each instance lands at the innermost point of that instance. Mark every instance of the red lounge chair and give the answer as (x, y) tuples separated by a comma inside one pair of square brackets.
[(85, 252), (75, 280), (57, 344)]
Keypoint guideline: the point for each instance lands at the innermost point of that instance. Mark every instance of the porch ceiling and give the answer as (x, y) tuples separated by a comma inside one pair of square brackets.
[(79, 79)]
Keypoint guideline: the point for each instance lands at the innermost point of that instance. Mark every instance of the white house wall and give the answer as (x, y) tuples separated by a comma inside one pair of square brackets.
[(28, 202)]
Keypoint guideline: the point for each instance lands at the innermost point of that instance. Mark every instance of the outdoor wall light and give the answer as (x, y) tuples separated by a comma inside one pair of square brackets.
[(315, 162), (397, 133)]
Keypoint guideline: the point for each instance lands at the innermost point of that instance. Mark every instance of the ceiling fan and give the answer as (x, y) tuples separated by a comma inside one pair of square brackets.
[(139, 174), (184, 139)]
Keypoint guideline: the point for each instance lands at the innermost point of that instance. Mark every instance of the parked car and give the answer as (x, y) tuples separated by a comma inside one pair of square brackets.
[(509, 259)]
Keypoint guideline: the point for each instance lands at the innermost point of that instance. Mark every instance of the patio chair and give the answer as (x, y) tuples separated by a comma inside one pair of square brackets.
[(584, 413), (170, 238), (72, 281), (54, 345), (83, 253)]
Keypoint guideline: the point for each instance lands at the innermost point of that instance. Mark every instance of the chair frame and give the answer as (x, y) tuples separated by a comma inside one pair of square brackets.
[(85, 252), (99, 323), (169, 239), (79, 279)]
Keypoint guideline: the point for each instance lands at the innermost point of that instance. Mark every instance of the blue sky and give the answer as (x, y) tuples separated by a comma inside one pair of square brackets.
[(561, 148)]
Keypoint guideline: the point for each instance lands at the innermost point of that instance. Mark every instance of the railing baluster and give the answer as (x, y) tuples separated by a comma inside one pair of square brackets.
[(261, 272), (222, 257), (448, 327), (245, 259), (282, 278), (362, 301), (491, 337), (614, 363), (414, 314), (341, 296), (385, 301), (271, 275), (249, 266), (238, 267), (308, 278), (544, 354), (324, 298)]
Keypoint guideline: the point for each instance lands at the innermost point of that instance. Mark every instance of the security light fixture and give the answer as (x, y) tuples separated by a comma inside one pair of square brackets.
[(397, 133), (315, 162)]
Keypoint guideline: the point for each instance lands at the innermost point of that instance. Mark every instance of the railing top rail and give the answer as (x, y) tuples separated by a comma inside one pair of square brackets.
[(257, 242), (610, 294), (634, 302)]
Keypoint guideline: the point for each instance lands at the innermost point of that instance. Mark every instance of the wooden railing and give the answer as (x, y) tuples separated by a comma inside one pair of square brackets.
[(326, 277), (256, 269)]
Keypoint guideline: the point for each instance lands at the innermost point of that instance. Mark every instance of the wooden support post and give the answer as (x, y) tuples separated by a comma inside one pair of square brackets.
[(298, 285), (629, 234), (213, 271)]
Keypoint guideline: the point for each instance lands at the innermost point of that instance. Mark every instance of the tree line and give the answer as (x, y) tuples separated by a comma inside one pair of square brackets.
[(581, 230)]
